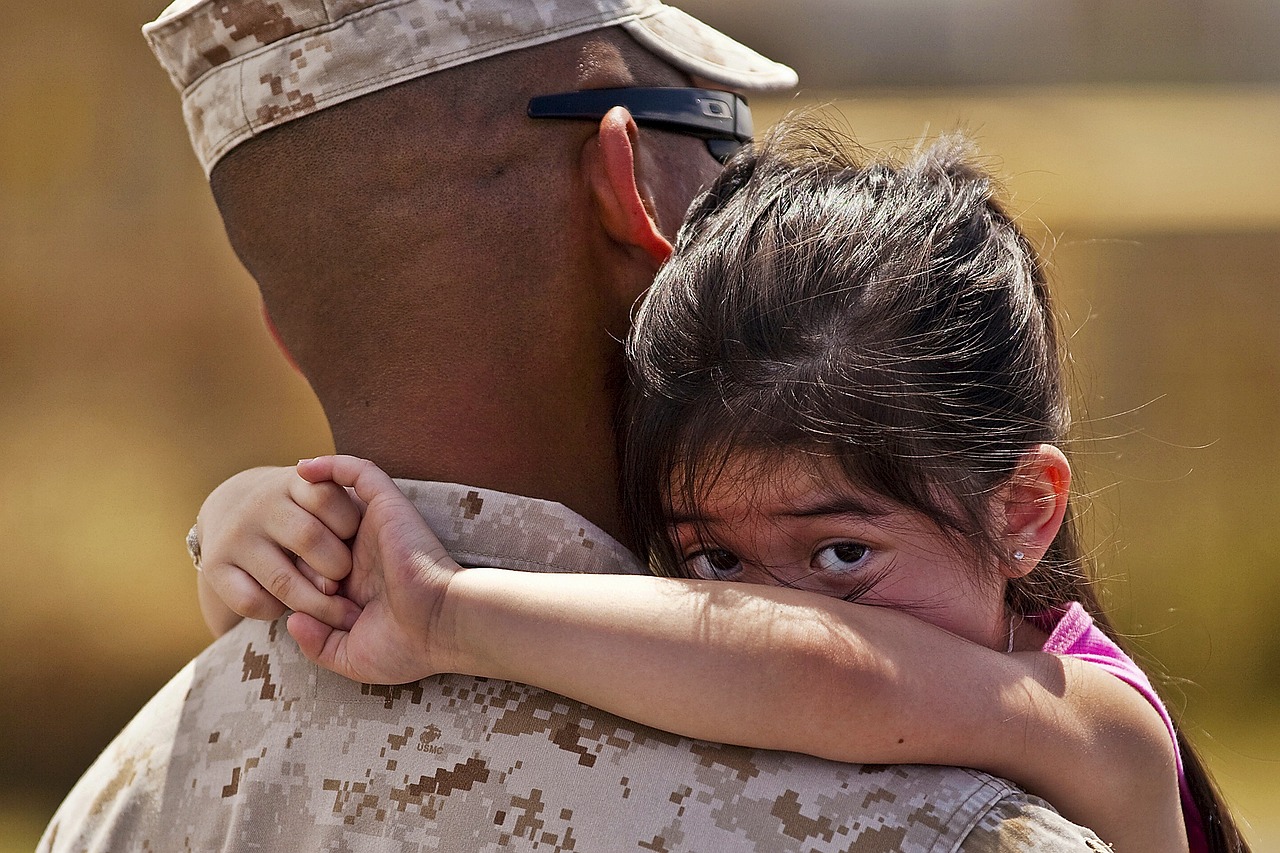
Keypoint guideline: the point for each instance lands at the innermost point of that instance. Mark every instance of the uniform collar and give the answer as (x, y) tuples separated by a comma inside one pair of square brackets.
[(482, 527)]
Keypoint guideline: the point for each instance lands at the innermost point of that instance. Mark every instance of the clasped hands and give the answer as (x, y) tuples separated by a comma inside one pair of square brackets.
[(338, 543)]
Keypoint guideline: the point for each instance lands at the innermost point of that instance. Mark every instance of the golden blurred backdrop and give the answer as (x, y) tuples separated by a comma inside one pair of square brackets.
[(135, 374)]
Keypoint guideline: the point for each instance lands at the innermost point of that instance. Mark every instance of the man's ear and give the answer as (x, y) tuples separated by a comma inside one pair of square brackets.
[(1034, 505), (623, 205)]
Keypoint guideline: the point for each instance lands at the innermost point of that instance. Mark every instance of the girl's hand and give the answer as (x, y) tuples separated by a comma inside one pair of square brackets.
[(270, 541), (400, 577)]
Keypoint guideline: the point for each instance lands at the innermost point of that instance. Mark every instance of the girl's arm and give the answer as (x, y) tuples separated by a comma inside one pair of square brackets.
[(753, 665), (784, 669), (270, 542)]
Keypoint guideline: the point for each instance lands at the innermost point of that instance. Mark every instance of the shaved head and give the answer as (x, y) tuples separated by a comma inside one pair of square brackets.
[(349, 214), (427, 252)]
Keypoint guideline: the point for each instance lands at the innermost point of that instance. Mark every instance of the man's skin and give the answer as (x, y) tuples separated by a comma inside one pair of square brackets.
[(458, 288), (458, 311)]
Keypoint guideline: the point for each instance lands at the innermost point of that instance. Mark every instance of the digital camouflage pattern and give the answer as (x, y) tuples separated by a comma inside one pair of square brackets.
[(244, 66), (250, 747)]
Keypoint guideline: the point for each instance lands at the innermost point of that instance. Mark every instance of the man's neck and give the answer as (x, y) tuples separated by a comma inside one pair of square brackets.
[(557, 449)]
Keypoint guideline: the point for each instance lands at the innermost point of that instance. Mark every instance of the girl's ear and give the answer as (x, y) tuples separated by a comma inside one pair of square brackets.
[(1034, 505), (620, 189)]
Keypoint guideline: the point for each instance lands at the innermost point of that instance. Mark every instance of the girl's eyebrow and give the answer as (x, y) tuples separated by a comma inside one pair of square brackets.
[(674, 518), (845, 505)]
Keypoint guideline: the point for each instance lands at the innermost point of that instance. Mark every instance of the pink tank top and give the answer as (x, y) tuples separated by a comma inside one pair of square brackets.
[(1073, 634)]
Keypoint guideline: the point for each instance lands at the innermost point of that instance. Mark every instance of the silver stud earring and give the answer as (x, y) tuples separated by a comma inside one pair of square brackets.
[(1019, 556)]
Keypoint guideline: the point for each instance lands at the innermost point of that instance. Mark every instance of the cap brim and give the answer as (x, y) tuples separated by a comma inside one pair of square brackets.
[(707, 53)]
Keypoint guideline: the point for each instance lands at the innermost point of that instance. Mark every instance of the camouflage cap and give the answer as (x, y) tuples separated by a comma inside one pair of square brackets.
[(244, 66)]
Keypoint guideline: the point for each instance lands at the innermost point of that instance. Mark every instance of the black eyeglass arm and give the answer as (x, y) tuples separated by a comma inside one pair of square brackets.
[(705, 112)]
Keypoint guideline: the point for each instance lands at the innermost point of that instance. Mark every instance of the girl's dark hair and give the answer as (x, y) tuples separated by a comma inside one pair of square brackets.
[(888, 317)]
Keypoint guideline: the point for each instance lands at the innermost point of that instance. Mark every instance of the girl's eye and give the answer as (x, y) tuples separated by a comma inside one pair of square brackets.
[(714, 564), (841, 557)]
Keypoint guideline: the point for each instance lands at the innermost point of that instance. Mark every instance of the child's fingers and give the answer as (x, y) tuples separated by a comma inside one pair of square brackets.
[(368, 480), (312, 636), (282, 578), (325, 585), (315, 470), (295, 529), (267, 583), (371, 483), (244, 595), (329, 502), (320, 643), (338, 612)]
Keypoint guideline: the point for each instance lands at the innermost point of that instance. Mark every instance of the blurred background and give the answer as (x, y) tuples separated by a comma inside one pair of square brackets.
[(1138, 140)]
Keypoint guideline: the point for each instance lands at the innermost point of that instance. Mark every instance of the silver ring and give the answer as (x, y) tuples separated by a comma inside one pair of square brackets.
[(193, 545)]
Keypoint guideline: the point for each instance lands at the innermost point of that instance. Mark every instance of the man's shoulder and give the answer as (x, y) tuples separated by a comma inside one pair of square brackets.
[(1020, 821), (252, 746)]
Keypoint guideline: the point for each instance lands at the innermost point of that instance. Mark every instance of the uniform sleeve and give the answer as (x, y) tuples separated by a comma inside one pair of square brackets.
[(252, 748), (1021, 822)]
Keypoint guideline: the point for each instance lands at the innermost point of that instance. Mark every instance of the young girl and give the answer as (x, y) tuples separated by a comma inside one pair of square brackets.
[(842, 453)]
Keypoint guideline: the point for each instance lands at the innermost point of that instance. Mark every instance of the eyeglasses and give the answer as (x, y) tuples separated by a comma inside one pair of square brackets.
[(723, 119)]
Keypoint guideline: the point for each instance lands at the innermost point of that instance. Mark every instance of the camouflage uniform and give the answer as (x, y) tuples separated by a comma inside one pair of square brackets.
[(251, 747)]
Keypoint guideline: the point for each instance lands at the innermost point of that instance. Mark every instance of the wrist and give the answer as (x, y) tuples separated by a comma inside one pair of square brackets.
[(460, 625), (495, 622)]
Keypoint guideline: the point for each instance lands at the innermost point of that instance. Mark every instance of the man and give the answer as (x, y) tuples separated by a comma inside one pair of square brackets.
[(453, 277)]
